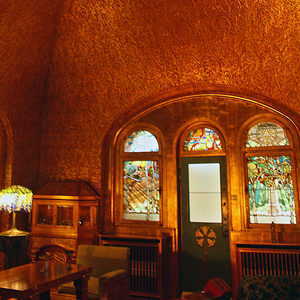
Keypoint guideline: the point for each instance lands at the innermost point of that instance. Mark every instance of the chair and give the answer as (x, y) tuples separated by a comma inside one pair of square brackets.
[(110, 278)]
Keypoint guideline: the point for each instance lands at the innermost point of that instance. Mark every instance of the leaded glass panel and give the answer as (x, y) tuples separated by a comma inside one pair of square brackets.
[(271, 193), (266, 134), (202, 139), (141, 141), (141, 190)]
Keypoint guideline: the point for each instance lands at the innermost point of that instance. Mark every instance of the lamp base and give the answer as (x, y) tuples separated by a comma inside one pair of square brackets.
[(14, 232)]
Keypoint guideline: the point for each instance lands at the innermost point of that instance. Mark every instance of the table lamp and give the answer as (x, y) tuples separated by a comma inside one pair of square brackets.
[(12, 199)]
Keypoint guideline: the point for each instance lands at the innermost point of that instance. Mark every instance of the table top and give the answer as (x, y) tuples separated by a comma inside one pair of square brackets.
[(41, 273)]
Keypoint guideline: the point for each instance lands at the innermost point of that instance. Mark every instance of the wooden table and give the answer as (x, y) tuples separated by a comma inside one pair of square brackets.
[(34, 281)]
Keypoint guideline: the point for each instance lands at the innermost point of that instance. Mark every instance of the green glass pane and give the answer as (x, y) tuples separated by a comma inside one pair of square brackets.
[(271, 193), (202, 139), (141, 141), (141, 190), (266, 134)]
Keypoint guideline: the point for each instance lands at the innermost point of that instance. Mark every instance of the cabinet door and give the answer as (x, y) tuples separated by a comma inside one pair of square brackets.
[(65, 215), (45, 214), (85, 216)]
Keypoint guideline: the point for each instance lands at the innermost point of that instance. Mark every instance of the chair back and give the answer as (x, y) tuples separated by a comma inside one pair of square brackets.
[(103, 259)]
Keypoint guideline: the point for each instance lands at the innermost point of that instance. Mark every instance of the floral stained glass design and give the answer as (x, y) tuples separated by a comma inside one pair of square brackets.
[(141, 141), (141, 190), (266, 134), (271, 195), (202, 139)]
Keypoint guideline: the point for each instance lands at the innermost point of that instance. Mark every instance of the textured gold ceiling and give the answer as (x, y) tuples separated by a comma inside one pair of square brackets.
[(127, 50), (111, 55)]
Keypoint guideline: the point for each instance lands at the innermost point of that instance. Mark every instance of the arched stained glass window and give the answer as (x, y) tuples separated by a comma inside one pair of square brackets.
[(266, 134), (202, 139), (270, 178), (141, 141), (141, 182)]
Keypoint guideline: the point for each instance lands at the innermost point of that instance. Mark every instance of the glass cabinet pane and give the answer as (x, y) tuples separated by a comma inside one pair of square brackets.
[(85, 216), (64, 215), (45, 214)]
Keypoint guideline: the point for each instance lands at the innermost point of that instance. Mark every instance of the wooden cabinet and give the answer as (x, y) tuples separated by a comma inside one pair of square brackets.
[(14, 248), (64, 214), (150, 263)]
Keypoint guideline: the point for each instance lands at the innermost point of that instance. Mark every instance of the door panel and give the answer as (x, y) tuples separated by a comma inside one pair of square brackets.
[(204, 235)]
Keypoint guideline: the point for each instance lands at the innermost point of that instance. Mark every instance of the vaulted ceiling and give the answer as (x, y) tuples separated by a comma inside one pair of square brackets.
[(84, 65)]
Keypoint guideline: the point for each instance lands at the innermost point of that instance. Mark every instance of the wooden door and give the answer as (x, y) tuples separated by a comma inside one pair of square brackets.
[(204, 222)]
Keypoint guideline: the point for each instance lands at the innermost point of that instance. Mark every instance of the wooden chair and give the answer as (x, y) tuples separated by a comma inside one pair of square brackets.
[(110, 278)]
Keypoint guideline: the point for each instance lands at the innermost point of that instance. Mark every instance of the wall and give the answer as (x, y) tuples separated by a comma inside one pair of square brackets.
[(230, 115), (111, 57), (27, 29)]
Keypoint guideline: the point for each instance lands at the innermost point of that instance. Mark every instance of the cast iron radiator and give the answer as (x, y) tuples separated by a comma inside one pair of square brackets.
[(268, 260), (149, 258)]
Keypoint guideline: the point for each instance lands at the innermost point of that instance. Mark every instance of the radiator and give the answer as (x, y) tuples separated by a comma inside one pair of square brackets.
[(148, 264), (144, 268), (270, 260)]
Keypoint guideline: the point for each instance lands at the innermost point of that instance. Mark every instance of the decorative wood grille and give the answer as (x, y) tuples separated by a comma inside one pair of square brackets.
[(268, 260)]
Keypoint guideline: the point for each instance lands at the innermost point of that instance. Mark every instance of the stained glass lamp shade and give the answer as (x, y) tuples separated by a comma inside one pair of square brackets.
[(12, 199)]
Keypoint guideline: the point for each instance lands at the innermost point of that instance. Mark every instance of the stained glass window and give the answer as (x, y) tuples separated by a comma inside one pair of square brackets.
[(202, 139), (141, 141), (270, 181), (271, 195), (266, 134), (141, 190)]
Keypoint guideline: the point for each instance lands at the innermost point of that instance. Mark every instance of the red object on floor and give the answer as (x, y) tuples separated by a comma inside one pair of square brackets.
[(216, 288)]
